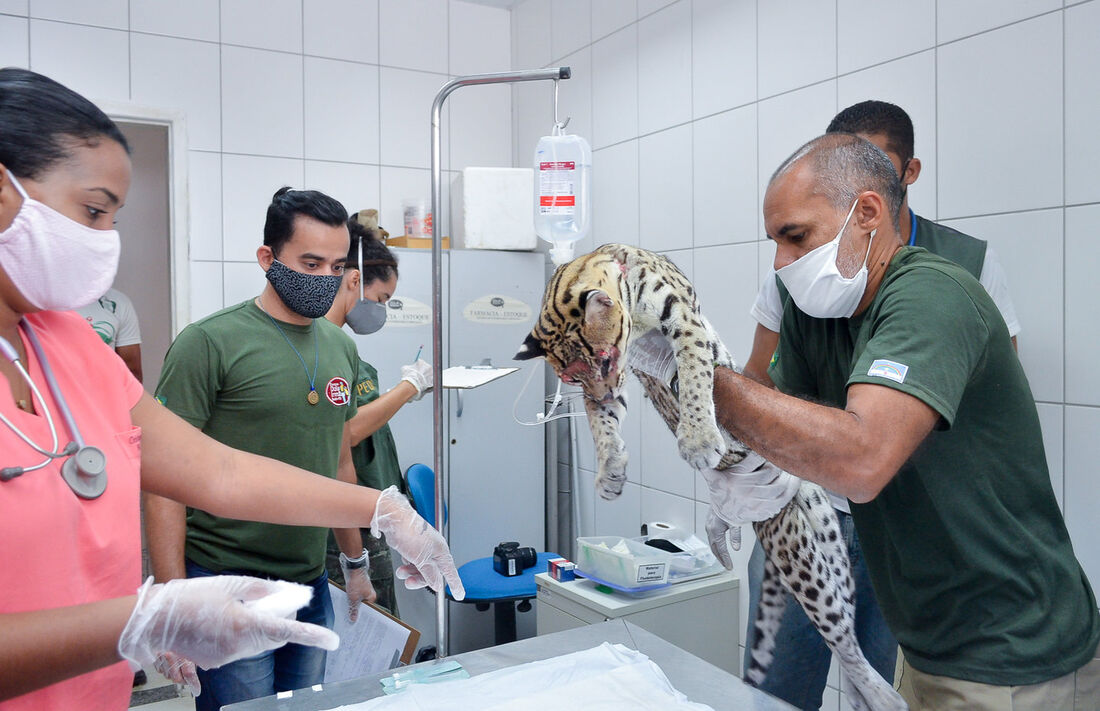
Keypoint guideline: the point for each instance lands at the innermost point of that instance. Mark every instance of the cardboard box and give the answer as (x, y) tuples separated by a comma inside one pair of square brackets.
[(416, 242)]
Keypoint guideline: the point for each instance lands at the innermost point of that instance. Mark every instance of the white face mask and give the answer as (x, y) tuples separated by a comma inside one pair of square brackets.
[(56, 263), (817, 286)]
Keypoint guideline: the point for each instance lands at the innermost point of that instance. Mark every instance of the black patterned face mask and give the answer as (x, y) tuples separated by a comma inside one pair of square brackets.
[(309, 295)]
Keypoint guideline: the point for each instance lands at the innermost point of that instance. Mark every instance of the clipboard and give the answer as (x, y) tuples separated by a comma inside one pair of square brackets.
[(463, 377), (376, 642)]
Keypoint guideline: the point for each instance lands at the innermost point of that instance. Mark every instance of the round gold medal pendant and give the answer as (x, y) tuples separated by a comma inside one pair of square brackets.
[(313, 398)]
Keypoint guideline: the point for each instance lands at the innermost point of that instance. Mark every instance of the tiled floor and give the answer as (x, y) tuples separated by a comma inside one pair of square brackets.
[(159, 694)]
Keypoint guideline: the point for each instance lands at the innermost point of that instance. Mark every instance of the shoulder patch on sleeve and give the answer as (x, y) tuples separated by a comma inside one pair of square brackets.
[(891, 370)]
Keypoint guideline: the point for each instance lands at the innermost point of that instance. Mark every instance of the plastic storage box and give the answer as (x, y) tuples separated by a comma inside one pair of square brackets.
[(641, 568)]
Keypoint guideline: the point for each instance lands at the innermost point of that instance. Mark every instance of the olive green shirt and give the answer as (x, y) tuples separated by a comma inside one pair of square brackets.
[(967, 550), (234, 376)]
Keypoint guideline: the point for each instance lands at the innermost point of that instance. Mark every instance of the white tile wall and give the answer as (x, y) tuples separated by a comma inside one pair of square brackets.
[(342, 111), (15, 49), (615, 87), (105, 13), (861, 41), (570, 26), (960, 19), (264, 24), (413, 34), (206, 289), (724, 170), (1082, 27), (261, 102), (469, 25), (195, 19), (90, 60), (611, 15), (909, 82), (997, 138), (981, 150), (180, 74), (357, 186), (1029, 247), (1082, 486), (1082, 307), (204, 185), (338, 29), (806, 24), (480, 115), (664, 68), (253, 180), (723, 46), (406, 103), (574, 98), (664, 189), (14, 7), (242, 281), (615, 212)]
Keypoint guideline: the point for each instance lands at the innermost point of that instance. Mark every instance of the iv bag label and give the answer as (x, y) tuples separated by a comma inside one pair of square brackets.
[(556, 187)]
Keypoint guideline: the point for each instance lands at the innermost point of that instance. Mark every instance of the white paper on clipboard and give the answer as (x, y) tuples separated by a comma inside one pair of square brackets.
[(374, 643), (463, 377)]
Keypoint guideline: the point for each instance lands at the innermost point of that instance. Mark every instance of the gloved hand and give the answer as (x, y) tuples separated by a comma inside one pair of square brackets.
[(652, 354), (216, 620), (720, 545), (357, 585), (754, 489), (179, 670), (428, 561), (419, 374)]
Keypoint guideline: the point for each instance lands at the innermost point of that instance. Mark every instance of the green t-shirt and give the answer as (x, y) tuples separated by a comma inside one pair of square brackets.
[(237, 379), (968, 553), (376, 463)]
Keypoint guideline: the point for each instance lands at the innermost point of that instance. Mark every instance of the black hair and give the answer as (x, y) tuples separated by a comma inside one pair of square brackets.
[(874, 117), (845, 165), (41, 121), (379, 263), (287, 204)]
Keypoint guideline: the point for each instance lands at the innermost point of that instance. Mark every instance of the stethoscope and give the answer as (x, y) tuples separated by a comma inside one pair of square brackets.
[(85, 467)]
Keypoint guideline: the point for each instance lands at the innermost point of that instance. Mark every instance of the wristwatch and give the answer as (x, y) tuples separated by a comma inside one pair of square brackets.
[(354, 563)]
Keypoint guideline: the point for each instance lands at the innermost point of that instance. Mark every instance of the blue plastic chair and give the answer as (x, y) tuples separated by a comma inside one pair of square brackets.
[(484, 586)]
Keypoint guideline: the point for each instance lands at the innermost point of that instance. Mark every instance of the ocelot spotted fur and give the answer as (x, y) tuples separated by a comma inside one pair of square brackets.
[(593, 309)]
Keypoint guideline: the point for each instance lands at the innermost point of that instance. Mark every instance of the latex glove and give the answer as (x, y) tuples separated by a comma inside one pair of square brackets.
[(754, 489), (652, 354), (419, 375), (720, 544), (179, 670), (357, 585), (216, 620), (428, 561)]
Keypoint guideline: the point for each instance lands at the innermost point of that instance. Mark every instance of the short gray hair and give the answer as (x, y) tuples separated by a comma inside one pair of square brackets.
[(845, 166)]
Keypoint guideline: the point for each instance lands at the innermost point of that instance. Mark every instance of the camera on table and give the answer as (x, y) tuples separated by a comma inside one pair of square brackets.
[(510, 558)]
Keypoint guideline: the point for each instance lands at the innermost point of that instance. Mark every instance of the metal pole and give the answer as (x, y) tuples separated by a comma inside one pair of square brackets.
[(437, 296)]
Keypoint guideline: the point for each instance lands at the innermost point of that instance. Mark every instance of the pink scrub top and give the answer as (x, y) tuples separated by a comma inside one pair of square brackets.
[(57, 549)]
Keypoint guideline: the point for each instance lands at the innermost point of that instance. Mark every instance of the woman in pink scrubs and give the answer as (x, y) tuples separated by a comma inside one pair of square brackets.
[(70, 560)]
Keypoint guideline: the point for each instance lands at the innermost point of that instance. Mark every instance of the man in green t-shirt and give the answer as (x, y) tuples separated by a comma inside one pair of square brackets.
[(272, 377), (923, 418)]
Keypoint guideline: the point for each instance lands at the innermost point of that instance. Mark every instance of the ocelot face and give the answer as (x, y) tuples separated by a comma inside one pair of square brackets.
[(594, 368)]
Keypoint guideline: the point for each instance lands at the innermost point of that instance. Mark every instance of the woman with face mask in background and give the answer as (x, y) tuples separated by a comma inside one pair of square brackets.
[(370, 279), (71, 559)]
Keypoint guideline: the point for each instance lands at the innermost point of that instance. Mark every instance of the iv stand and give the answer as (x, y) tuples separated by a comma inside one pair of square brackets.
[(554, 74)]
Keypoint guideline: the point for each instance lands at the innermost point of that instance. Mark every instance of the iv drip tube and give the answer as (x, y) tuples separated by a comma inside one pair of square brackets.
[(553, 74)]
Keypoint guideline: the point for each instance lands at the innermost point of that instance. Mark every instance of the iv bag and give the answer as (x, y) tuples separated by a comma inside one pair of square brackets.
[(563, 167)]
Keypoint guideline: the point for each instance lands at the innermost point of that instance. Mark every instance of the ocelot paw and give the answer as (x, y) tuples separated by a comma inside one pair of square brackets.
[(612, 476), (701, 445)]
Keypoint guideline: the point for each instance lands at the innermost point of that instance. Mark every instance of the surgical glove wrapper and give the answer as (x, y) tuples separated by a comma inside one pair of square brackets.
[(419, 375), (216, 620), (752, 490), (428, 561)]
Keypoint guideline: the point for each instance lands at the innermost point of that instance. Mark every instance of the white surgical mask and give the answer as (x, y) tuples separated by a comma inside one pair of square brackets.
[(55, 262), (817, 286)]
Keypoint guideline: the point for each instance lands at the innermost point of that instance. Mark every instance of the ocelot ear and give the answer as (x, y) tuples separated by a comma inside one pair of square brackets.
[(531, 348), (597, 305)]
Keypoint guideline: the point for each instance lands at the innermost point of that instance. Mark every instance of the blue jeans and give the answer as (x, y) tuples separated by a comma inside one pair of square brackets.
[(800, 666), (287, 668)]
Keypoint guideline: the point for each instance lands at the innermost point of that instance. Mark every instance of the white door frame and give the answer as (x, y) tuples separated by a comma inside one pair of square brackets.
[(179, 232)]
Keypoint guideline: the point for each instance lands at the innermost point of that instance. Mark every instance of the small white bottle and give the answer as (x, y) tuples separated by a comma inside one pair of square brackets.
[(563, 175)]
